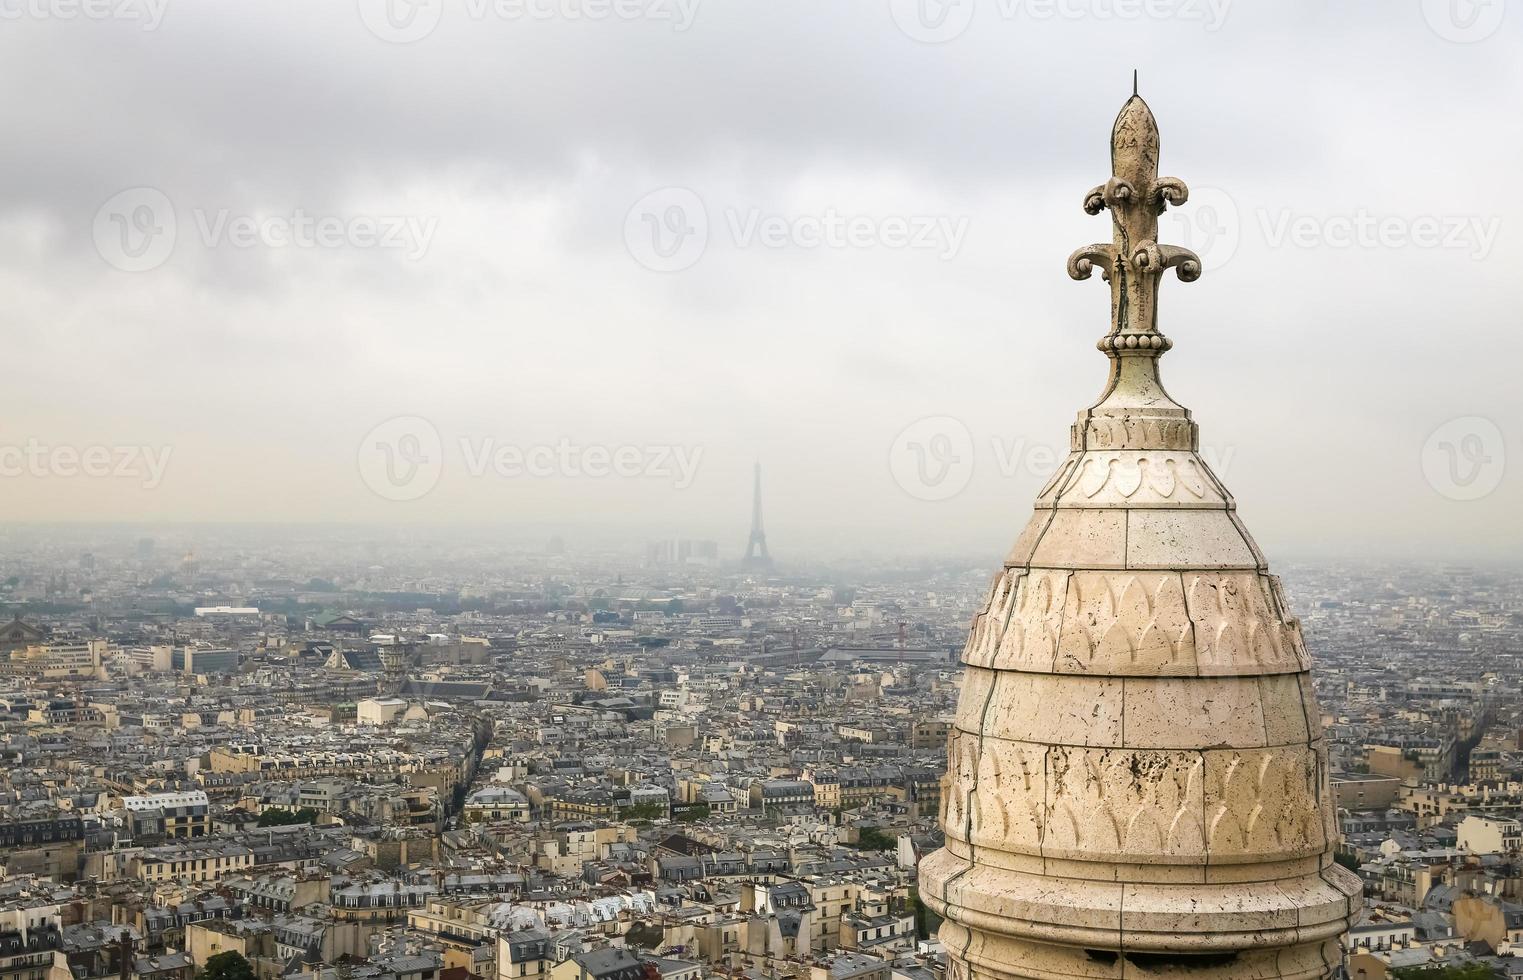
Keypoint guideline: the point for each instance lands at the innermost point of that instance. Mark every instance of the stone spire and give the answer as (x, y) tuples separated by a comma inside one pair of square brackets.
[(1137, 782)]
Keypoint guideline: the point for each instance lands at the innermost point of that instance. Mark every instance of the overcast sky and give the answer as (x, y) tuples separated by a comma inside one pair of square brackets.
[(585, 261)]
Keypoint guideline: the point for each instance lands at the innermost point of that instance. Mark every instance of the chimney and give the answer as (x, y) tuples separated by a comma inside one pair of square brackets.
[(124, 950)]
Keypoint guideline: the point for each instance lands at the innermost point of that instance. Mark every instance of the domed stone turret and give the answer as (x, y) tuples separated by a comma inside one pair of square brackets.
[(1137, 783)]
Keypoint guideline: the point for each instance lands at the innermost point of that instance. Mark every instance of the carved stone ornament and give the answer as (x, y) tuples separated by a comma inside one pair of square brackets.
[(1137, 783)]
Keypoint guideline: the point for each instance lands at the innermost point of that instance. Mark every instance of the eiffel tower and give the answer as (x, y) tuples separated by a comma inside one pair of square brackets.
[(756, 545)]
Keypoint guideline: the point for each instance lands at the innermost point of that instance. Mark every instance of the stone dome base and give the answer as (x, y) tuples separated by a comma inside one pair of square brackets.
[(979, 956)]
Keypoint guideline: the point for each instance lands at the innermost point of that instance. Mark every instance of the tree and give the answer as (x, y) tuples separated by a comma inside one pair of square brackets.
[(873, 839), (926, 921), (277, 817), (226, 966), (1472, 971), (643, 811)]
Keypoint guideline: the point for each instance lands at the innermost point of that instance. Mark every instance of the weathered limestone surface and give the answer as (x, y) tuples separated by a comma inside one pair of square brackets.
[(1137, 783)]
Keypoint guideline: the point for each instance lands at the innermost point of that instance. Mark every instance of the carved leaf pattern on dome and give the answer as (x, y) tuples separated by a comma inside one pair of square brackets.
[(1134, 433), (1112, 805), (958, 784), (1235, 626), (1126, 622), (989, 625), (1154, 828), (1030, 641), (1330, 830), (1009, 812), (1264, 802), (1079, 819), (1162, 475), (1292, 633), (1058, 477), (1297, 643)]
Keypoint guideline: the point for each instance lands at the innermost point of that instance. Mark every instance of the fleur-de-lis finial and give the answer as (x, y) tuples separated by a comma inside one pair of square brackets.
[(1134, 263)]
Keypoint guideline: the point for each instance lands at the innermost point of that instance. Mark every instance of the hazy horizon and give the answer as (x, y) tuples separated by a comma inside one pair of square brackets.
[(790, 556)]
